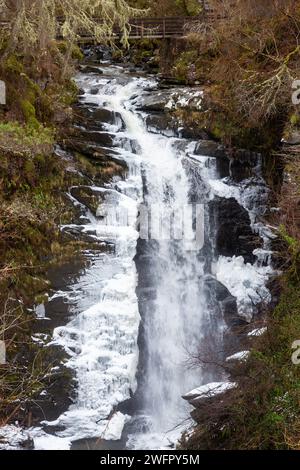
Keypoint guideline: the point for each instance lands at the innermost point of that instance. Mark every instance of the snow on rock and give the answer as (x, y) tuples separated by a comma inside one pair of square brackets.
[(101, 336), (185, 98), (244, 281), (222, 189), (209, 390), (44, 441), (12, 437), (240, 356), (257, 331), (114, 429)]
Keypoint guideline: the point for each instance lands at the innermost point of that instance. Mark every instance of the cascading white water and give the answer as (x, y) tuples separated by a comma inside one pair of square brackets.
[(176, 322), (179, 316), (105, 365), (101, 338)]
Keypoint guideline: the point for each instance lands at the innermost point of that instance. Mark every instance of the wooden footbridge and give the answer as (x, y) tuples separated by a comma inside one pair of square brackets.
[(167, 27), (159, 28), (170, 27), (155, 28), (164, 27), (152, 28)]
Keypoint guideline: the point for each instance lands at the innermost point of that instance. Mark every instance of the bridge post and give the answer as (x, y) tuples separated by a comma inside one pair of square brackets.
[(142, 29), (164, 28)]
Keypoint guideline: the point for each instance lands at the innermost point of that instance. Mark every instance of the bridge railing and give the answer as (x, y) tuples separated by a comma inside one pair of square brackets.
[(157, 27), (139, 28), (165, 27)]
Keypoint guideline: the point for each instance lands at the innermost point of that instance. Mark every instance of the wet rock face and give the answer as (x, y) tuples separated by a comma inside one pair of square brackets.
[(98, 118), (234, 234), (223, 310), (192, 133), (170, 126), (91, 140), (164, 124), (162, 102), (214, 149), (239, 164), (90, 69), (87, 197), (94, 54), (217, 292), (104, 139), (156, 101), (243, 164)]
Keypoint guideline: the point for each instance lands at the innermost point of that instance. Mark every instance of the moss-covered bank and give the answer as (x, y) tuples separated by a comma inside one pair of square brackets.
[(33, 180)]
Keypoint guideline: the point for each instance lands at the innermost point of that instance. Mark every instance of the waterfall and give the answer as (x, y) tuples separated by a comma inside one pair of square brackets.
[(151, 292), (176, 318)]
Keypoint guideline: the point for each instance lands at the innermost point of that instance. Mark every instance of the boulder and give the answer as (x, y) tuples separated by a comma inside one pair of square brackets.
[(103, 139), (94, 54), (97, 118), (209, 391), (86, 196), (193, 133), (164, 100), (209, 148), (164, 124), (154, 102), (94, 90), (216, 291), (90, 69), (169, 125), (221, 292)]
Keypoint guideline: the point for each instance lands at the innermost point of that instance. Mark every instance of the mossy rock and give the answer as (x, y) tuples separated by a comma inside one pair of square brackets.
[(76, 53), (28, 110), (88, 197), (13, 64)]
